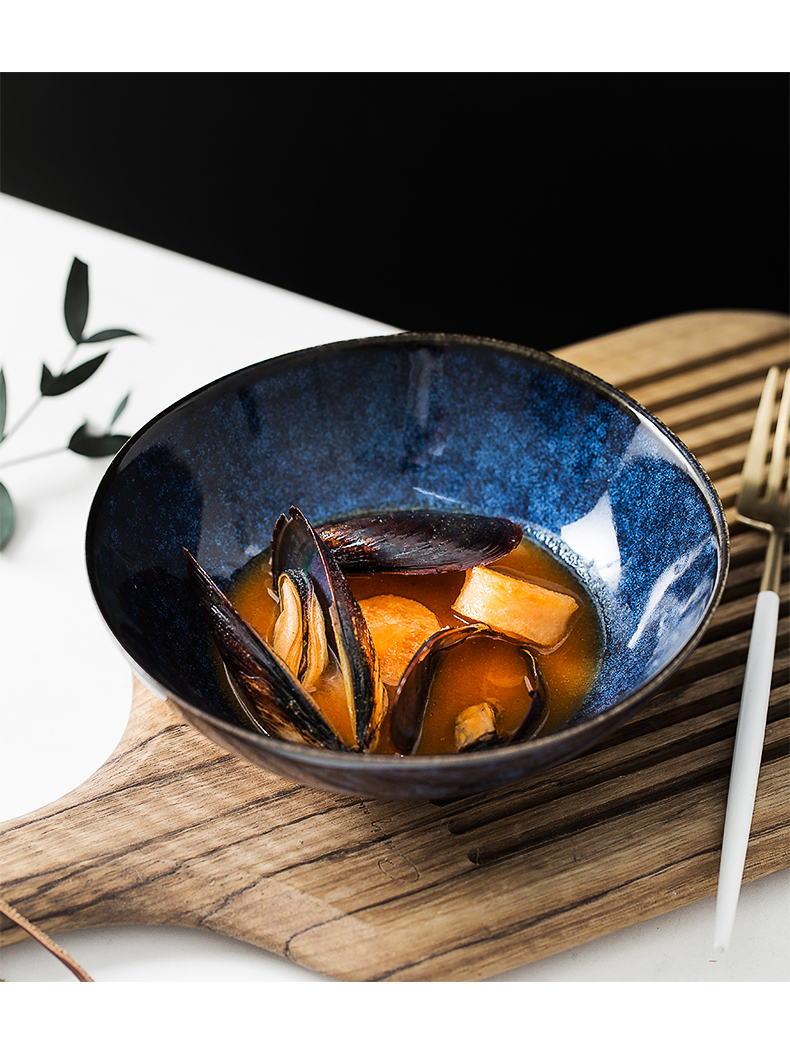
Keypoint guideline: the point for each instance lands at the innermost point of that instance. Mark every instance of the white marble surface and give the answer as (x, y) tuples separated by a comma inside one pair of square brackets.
[(65, 689)]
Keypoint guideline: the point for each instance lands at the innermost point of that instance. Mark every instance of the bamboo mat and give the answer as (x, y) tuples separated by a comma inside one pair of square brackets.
[(173, 830)]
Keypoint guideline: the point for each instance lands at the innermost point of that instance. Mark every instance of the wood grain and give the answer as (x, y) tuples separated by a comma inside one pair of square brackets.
[(174, 830)]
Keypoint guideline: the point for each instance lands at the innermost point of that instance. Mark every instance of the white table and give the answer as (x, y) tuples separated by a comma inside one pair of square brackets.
[(65, 690)]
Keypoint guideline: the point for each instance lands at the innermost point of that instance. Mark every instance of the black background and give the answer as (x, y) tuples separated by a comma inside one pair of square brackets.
[(538, 208)]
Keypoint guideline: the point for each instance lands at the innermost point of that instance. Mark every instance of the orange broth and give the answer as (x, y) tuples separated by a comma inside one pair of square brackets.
[(480, 671)]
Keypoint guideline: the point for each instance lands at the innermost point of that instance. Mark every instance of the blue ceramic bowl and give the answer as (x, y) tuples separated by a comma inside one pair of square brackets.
[(409, 422)]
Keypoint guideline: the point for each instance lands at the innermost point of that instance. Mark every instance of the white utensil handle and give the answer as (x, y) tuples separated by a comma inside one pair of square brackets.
[(749, 741)]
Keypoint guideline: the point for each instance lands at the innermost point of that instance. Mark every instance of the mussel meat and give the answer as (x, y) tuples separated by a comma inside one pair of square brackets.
[(476, 726), (299, 636)]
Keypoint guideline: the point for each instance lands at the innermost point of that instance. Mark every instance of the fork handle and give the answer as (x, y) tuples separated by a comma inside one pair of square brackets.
[(746, 757)]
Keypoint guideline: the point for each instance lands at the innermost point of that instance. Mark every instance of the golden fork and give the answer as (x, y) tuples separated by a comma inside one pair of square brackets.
[(762, 504)]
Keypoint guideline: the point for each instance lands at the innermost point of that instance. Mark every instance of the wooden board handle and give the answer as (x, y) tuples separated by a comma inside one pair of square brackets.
[(45, 853), (112, 851)]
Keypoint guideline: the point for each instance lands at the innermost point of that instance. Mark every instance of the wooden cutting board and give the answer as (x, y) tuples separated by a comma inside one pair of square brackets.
[(174, 830)]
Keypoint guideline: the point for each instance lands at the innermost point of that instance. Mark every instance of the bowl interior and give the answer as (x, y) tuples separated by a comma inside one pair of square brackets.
[(409, 422)]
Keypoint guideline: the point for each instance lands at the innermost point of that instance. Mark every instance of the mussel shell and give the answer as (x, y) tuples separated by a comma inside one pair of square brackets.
[(410, 703), (419, 541), (270, 690), (295, 544), (407, 711), (534, 716)]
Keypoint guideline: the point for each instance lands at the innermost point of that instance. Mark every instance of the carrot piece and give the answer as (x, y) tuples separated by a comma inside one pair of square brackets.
[(515, 607), (398, 627)]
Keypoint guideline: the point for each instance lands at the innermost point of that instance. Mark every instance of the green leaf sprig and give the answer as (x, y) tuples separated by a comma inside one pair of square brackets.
[(82, 441)]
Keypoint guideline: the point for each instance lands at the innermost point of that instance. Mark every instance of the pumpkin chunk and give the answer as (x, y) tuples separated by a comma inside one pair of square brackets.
[(515, 607), (398, 627)]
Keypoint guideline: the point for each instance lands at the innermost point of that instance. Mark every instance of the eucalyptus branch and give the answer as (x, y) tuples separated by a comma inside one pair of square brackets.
[(22, 419), (33, 457), (82, 441), (38, 398)]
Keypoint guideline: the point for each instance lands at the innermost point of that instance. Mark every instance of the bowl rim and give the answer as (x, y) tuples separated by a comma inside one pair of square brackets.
[(585, 732)]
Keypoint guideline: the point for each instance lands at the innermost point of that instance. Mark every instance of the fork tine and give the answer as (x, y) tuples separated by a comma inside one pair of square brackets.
[(758, 444), (777, 468)]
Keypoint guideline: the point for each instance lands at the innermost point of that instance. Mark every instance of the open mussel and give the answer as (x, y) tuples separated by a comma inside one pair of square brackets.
[(477, 726), (284, 706), (419, 541), (295, 545)]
